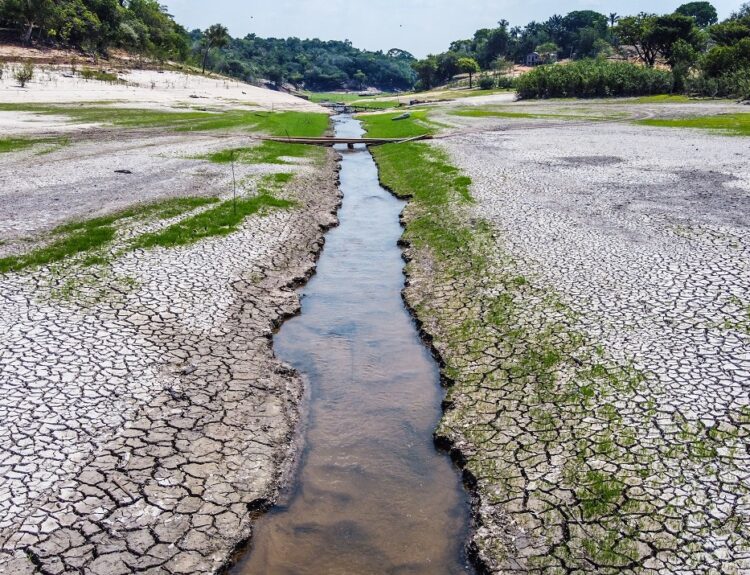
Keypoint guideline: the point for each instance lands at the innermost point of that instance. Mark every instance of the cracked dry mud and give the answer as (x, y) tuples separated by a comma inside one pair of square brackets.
[(145, 419), (600, 360)]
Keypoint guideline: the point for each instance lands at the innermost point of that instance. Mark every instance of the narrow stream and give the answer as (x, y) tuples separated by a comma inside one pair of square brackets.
[(372, 495)]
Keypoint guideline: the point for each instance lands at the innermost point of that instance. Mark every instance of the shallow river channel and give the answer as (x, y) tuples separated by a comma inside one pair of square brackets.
[(371, 495)]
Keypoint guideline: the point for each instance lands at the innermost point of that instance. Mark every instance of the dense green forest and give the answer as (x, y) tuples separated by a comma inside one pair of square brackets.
[(140, 26), (314, 64), (700, 54)]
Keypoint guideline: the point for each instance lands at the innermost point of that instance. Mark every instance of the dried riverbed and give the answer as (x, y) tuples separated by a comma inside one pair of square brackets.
[(599, 342), (144, 417)]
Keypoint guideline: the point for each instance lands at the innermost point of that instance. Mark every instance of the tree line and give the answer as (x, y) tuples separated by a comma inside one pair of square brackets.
[(145, 27), (312, 64), (139, 26), (702, 54)]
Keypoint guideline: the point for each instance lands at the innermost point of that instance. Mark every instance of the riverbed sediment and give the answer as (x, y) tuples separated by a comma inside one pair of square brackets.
[(594, 337), (145, 418)]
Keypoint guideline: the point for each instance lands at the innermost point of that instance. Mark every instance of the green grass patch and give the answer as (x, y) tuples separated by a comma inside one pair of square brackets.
[(588, 114), (343, 97), (727, 124), (75, 243), (100, 75), (300, 124), (265, 153), (664, 99), (219, 221), (92, 234), (384, 125), (18, 144)]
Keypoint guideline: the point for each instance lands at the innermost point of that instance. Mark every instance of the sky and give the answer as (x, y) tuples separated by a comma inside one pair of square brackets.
[(419, 26)]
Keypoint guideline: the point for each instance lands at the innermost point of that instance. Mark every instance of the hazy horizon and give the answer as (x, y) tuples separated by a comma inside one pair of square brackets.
[(419, 26)]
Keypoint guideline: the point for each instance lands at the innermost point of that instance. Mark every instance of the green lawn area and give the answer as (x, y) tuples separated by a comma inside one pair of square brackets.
[(728, 124), (384, 125), (303, 124)]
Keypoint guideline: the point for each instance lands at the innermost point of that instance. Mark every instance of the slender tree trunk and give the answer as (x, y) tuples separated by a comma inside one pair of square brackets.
[(205, 58), (470, 83), (27, 35)]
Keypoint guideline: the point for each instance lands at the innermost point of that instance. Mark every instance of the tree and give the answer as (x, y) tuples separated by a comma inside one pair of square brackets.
[(361, 78), (703, 12), (653, 35), (613, 19), (547, 51), (684, 57), (743, 12), (28, 13), (217, 36), (426, 71), (469, 66)]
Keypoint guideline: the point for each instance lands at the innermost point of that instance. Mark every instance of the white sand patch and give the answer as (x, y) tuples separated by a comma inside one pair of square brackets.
[(146, 87)]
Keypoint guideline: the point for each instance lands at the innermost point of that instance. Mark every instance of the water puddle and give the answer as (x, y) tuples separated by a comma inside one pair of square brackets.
[(372, 495)]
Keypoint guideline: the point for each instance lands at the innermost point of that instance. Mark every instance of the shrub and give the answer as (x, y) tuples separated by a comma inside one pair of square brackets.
[(593, 79), (24, 74), (506, 82), (730, 85), (486, 82)]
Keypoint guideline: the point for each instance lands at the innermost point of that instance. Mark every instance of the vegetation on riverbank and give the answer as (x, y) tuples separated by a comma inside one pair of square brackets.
[(219, 221), (93, 234), (266, 153), (539, 411), (301, 124), (593, 79), (17, 144), (728, 124)]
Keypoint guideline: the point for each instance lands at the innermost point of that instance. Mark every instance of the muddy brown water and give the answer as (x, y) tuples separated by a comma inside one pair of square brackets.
[(371, 494)]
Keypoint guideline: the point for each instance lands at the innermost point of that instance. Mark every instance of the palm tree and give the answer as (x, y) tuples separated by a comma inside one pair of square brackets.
[(613, 18), (217, 36)]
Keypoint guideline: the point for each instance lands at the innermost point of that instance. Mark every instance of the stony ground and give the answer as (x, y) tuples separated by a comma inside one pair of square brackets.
[(601, 356), (144, 418)]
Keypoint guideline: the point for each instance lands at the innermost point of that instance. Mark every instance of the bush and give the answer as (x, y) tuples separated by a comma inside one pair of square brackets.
[(487, 82), (729, 85), (593, 79), (24, 74), (506, 82)]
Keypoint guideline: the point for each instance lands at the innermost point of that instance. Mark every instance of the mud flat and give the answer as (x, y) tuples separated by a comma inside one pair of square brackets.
[(596, 329), (144, 418)]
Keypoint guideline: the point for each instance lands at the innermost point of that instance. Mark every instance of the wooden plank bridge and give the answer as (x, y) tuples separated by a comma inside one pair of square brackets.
[(349, 142)]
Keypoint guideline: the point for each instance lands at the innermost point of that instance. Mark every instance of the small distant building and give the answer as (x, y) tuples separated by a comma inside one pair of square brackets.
[(533, 59)]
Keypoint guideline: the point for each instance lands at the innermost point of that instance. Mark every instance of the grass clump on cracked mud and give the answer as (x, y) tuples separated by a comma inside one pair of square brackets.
[(728, 124), (266, 153), (17, 144), (92, 234), (302, 124), (219, 221)]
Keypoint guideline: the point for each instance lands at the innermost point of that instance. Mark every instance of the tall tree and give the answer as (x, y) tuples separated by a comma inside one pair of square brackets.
[(216, 36), (469, 66), (704, 13), (653, 35)]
